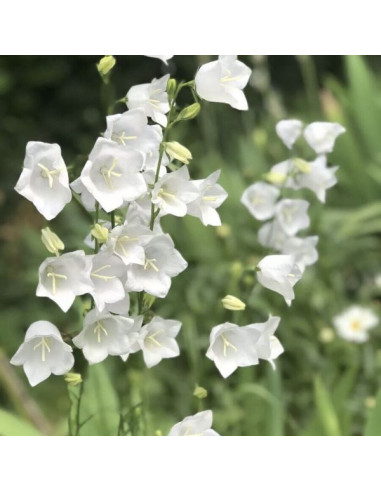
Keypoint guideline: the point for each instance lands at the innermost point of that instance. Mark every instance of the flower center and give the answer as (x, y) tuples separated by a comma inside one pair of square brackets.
[(44, 347), (152, 340), (355, 325), (165, 194), (228, 77), (48, 174), (150, 263), (123, 239), (227, 344), (54, 276), (109, 173), (98, 330)]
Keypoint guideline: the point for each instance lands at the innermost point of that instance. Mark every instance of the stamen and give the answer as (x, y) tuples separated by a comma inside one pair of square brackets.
[(209, 198), (123, 137), (108, 173), (47, 173), (152, 338), (164, 194), (54, 281), (122, 239), (150, 263), (98, 329), (95, 273), (229, 78), (227, 344), (44, 346)]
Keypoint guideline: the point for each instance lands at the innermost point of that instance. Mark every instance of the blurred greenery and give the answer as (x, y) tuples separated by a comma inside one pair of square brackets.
[(323, 385)]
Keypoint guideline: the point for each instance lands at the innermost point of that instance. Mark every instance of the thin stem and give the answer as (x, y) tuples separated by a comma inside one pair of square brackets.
[(112, 217), (96, 248), (78, 409)]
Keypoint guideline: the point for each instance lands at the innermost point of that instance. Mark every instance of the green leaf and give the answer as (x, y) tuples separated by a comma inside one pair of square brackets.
[(12, 425), (373, 423), (325, 409)]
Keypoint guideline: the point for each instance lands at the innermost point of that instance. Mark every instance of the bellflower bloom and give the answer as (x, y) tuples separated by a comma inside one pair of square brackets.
[(318, 177), (105, 334), (210, 196), (303, 249), (126, 241), (292, 215), (43, 353), (232, 346), (321, 136), (281, 174), (223, 81), (268, 346), (271, 235), (151, 98), (260, 199), (279, 273), (199, 424), (136, 330), (87, 198), (173, 192), (162, 262), (64, 277), (112, 174), (289, 131), (44, 179), (157, 340), (105, 275), (354, 323)]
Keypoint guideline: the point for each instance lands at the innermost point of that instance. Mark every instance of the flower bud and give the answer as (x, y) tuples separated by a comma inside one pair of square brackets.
[(275, 178), (73, 378), (100, 233), (200, 392), (189, 112), (171, 88), (51, 241), (223, 231), (370, 402), (106, 64), (233, 303), (326, 335), (177, 151), (302, 165)]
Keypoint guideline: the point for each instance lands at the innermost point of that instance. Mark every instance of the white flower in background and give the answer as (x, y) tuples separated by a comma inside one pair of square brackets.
[(173, 192), (289, 131), (87, 198), (318, 177), (279, 273), (163, 58), (303, 249), (136, 330), (292, 215), (210, 196), (199, 424), (126, 241), (354, 323), (260, 199), (151, 98), (223, 81), (321, 136), (162, 262), (43, 353), (112, 174), (105, 276), (105, 334), (157, 340), (281, 174), (232, 346), (64, 277), (268, 346), (44, 179), (271, 235)]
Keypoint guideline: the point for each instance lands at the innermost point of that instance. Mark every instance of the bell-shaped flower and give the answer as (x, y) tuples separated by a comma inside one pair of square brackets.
[(136, 330), (105, 334), (279, 273), (281, 174), (260, 199), (303, 249), (268, 346), (271, 235), (173, 192), (157, 340), (44, 179), (126, 241), (151, 98), (289, 131), (162, 262), (87, 198), (112, 174), (105, 275), (223, 81), (317, 177), (64, 277), (210, 196), (292, 215), (232, 346), (43, 353), (354, 323), (199, 424), (321, 136)]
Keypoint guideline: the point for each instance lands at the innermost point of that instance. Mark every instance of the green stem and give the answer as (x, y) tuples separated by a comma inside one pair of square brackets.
[(112, 217), (78, 410)]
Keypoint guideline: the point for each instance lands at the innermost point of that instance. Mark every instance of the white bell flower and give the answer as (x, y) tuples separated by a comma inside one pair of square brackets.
[(281, 174), (223, 81), (112, 174), (232, 346), (289, 131), (271, 235), (162, 262), (44, 179), (136, 333), (354, 323), (279, 273), (268, 346), (105, 334), (260, 199), (321, 136), (303, 249), (318, 177), (43, 353), (292, 215), (105, 275), (126, 241), (157, 340), (87, 198), (173, 192), (64, 277), (210, 196), (199, 424), (151, 98)]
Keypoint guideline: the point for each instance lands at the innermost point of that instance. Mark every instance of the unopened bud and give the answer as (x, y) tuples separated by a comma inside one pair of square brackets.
[(158, 432), (326, 335), (302, 165), (177, 151), (200, 392), (233, 303), (73, 378), (51, 241), (171, 88), (189, 112), (275, 178), (105, 65), (100, 233), (223, 231), (370, 402)]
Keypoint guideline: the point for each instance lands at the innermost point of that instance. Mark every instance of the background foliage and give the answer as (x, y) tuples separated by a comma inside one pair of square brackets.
[(320, 387)]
